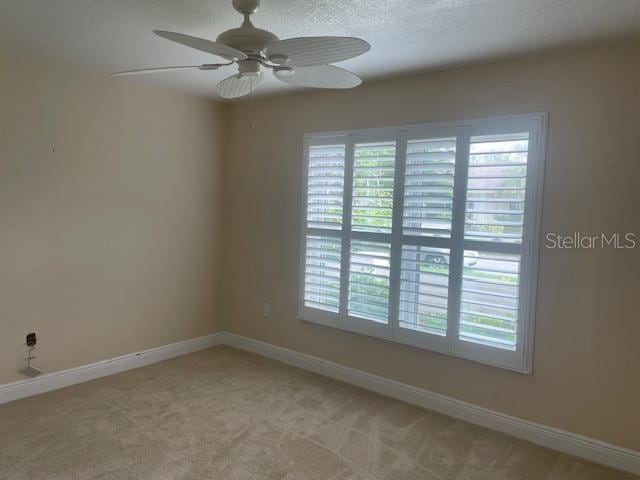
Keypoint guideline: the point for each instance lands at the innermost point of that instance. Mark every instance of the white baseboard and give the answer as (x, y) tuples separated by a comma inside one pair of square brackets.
[(553, 438), (65, 378)]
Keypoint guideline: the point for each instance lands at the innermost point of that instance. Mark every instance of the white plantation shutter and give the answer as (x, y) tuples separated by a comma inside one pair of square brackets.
[(496, 188), (369, 269), (322, 273), (424, 289), (425, 251), (369, 260), (424, 235), (373, 179), (489, 305), (428, 190), (325, 186), (321, 265), (494, 221)]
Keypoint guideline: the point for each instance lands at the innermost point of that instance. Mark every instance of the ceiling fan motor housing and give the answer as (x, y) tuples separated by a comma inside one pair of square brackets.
[(247, 38)]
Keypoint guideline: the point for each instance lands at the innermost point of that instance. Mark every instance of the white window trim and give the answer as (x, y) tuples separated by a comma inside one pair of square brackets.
[(520, 360)]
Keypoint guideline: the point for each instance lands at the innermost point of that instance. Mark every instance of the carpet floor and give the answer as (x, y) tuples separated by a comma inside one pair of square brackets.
[(225, 414)]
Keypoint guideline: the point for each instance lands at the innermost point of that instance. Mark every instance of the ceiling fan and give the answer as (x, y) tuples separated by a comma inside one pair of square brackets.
[(303, 61)]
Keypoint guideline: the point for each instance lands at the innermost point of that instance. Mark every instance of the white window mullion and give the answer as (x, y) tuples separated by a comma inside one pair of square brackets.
[(346, 229), (396, 233), (457, 234)]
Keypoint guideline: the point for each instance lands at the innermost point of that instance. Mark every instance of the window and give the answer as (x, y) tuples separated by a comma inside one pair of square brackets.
[(426, 235)]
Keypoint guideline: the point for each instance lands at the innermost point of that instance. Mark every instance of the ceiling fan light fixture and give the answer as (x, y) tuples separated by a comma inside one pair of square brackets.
[(278, 59), (249, 68), (284, 71)]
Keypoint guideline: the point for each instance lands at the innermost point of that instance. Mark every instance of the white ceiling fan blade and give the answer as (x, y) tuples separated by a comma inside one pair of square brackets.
[(203, 45), (321, 76), (143, 71), (305, 51), (238, 85)]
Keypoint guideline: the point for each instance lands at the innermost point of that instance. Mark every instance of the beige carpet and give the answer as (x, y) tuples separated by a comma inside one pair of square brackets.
[(225, 414)]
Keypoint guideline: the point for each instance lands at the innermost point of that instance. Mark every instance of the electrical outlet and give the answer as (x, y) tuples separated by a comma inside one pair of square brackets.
[(31, 340), (266, 310)]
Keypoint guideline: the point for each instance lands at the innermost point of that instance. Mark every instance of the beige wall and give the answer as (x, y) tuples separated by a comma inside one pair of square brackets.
[(110, 216), (109, 198), (587, 359)]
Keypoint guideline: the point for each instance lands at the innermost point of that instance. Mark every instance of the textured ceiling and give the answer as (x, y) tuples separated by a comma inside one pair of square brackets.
[(406, 35)]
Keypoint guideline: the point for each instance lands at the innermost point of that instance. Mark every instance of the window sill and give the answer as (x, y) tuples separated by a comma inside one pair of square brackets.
[(503, 359)]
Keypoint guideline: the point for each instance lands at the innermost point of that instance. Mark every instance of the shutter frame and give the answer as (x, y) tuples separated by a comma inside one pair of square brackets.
[(521, 359)]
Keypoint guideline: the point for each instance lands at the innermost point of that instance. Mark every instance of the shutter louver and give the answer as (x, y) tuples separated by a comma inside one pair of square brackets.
[(325, 187), (496, 188), (373, 179), (369, 272), (428, 197), (489, 301), (424, 289), (322, 273)]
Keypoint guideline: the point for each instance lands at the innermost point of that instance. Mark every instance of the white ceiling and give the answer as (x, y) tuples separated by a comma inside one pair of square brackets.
[(406, 35)]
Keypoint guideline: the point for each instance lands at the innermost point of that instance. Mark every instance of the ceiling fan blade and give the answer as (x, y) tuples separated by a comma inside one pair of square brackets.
[(238, 85), (306, 51), (203, 45), (321, 76), (143, 71)]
